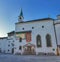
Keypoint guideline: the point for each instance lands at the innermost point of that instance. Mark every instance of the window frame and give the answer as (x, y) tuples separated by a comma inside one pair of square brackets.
[(48, 40), (38, 39)]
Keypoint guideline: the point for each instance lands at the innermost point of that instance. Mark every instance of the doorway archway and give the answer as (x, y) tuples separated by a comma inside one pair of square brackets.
[(29, 49), (12, 50)]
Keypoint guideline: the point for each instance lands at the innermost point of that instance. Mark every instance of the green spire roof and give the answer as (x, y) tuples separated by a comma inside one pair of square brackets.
[(21, 13), (20, 17)]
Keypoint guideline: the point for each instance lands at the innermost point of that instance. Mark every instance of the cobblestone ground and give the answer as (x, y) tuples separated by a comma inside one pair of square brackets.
[(18, 58)]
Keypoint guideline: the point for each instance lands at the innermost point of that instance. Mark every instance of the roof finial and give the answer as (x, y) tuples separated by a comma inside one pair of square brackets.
[(48, 15), (20, 19)]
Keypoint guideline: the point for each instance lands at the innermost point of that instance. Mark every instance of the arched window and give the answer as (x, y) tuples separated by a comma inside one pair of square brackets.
[(48, 40), (38, 39)]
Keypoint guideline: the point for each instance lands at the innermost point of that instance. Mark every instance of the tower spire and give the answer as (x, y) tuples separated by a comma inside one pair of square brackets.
[(20, 18)]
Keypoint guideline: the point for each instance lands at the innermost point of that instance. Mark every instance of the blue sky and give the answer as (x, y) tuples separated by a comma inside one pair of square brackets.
[(32, 9)]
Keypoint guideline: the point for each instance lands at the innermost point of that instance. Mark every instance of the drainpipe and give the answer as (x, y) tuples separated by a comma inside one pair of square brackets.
[(56, 39)]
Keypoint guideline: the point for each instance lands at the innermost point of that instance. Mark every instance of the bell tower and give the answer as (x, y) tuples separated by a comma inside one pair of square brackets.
[(20, 17)]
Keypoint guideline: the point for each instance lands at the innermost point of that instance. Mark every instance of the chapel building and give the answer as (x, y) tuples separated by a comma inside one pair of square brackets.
[(33, 37)]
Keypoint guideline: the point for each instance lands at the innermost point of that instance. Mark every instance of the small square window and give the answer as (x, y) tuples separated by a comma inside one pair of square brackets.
[(32, 27), (42, 26), (53, 49), (8, 45), (8, 50), (12, 44), (23, 28)]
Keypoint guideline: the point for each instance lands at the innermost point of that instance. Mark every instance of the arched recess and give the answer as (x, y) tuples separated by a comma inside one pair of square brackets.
[(48, 40), (38, 41)]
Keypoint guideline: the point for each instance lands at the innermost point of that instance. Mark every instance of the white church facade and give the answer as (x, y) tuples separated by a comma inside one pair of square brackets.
[(40, 36)]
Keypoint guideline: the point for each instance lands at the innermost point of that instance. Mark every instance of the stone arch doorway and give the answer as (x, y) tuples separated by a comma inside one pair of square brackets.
[(29, 49)]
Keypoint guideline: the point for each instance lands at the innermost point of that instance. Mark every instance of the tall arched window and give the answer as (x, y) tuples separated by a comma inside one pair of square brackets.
[(48, 40), (38, 39)]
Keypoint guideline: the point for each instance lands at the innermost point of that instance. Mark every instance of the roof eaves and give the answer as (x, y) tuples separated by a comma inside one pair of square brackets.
[(35, 20)]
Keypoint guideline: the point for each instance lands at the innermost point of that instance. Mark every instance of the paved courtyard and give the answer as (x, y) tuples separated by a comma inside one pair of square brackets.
[(18, 58)]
